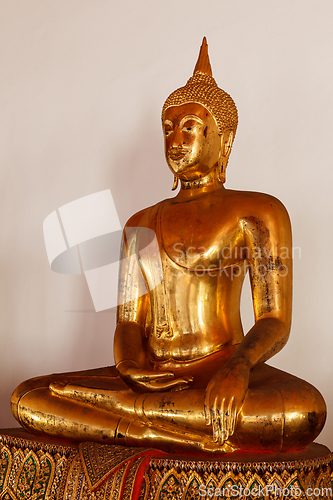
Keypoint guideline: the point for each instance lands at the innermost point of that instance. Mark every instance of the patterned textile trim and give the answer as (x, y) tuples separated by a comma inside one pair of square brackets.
[(31, 470), (134, 480), (99, 461), (35, 446), (169, 479), (210, 465)]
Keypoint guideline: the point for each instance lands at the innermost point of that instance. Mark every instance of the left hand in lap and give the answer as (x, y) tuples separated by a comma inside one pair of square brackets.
[(224, 398)]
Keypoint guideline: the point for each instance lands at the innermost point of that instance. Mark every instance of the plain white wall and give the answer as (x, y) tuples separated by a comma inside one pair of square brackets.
[(82, 87)]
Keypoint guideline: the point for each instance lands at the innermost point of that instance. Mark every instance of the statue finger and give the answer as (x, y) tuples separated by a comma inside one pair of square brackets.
[(207, 408), (218, 405), (148, 375), (164, 378), (215, 425), (162, 375), (224, 423), (229, 415), (233, 422), (179, 383), (154, 385)]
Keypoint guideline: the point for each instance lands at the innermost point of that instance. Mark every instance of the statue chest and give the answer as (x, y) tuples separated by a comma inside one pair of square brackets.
[(200, 235)]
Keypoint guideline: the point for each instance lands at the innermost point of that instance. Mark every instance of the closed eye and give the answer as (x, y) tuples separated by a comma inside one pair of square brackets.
[(168, 127), (190, 122), (190, 125)]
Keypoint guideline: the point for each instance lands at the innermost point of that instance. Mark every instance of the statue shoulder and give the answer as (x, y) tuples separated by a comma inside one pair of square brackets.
[(262, 206), (145, 217)]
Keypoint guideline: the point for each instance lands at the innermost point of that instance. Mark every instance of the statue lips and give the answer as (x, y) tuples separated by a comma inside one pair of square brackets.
[(176, 154)]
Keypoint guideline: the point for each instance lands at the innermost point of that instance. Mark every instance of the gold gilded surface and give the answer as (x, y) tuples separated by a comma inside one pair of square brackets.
[(186, 377)]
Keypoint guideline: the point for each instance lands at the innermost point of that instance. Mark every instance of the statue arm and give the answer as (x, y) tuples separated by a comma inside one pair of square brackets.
[(269, 244), (130, 340), (267, 241)]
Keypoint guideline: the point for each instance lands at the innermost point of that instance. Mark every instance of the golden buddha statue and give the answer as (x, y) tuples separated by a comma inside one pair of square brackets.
[(186, 378)]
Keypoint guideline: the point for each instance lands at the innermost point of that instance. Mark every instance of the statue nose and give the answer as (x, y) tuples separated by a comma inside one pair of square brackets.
[(178, 139)]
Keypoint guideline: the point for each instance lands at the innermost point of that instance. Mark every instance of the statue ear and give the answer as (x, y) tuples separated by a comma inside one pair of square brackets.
[(226, 142)]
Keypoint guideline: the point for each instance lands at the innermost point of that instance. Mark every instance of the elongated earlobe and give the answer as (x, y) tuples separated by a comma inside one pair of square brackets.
[(221, 164), (224, 155), (222, 168), (175, 183)]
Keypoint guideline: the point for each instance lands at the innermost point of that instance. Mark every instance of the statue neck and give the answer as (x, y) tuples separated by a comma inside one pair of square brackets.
[(200, 186)]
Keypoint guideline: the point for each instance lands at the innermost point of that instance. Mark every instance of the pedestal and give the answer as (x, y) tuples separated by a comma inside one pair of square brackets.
[(40, 469)]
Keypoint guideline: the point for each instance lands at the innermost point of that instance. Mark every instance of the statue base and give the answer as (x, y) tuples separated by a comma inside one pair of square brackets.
[(32, 468)]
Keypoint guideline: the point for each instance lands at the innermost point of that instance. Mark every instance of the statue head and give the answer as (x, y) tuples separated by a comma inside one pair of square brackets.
[(201, 91)]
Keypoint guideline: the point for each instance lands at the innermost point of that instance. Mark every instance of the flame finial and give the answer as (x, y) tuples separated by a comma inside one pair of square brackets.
[(203, 64)]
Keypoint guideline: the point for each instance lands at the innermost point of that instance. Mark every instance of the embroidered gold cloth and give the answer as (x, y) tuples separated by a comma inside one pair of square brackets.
[(36, 469), (32, 470), (106, 462)]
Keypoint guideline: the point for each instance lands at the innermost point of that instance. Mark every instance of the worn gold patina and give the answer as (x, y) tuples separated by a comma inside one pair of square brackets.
[(186, 377)]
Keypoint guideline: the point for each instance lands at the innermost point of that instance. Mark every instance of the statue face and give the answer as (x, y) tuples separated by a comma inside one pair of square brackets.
[(192, 142)]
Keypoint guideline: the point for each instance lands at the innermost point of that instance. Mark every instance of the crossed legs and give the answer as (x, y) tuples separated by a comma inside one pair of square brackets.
[(280, 412)]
